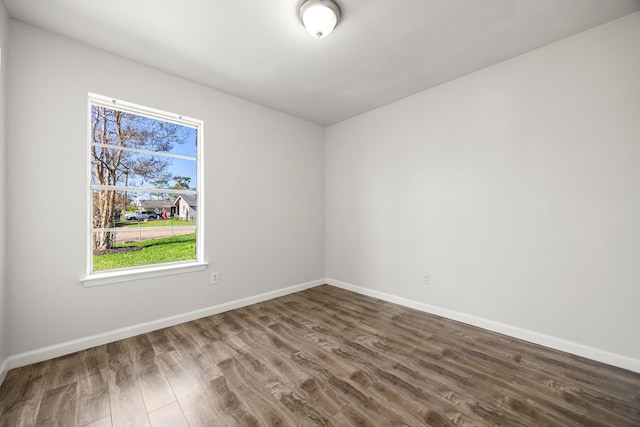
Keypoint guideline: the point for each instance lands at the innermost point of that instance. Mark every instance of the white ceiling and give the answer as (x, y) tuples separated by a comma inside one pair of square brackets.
[(381, 51)]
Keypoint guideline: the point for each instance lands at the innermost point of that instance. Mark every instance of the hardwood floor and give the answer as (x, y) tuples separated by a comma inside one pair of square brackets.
[(323, 357)]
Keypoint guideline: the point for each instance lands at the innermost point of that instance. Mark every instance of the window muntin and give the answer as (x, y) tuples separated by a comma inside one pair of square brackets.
[(145, 204)]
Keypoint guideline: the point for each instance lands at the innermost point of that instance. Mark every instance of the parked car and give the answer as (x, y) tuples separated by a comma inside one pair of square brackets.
[(140, 215)]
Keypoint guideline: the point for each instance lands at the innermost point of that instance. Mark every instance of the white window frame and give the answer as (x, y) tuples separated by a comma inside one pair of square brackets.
[(97, 278)]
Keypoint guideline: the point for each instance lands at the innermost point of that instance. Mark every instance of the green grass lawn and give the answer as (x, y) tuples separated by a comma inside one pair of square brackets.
[(155, 251)]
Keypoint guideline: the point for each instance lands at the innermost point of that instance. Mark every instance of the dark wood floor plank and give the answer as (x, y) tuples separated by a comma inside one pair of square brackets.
[(321, 357), (24, 384), (261, 370), (20, 413), (160, 341), (415, 405), (140, 348), (63, 371), (228, 325), (210, 329), (58, 407), (552, 395), (92, 361), (540, 360), (118, 354), (258, 386), (196, 335), (228, 404), (181, 339), (250, 319), (307, 412), (289, 382), (352, 391), (201, 366), (350, 416), (448, 392)]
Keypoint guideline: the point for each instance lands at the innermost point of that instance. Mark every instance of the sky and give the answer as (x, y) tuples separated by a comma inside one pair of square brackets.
[(186, 167)]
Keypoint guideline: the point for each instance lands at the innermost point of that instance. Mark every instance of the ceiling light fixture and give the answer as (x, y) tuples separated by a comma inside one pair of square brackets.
[(319, 17)]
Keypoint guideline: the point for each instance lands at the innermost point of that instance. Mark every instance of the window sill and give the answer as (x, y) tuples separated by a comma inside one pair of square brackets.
[(107, 278)]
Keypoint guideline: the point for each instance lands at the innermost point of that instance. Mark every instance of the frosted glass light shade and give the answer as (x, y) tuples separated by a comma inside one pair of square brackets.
[(319, 17)]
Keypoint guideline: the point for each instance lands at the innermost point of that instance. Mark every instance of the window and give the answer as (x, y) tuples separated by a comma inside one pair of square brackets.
[(145, 187)]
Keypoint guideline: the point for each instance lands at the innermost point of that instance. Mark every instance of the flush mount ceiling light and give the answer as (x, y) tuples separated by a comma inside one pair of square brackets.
[(319, 17)]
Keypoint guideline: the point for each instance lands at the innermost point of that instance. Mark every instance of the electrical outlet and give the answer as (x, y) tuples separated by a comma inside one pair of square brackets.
[(427, 280), (215, 278)]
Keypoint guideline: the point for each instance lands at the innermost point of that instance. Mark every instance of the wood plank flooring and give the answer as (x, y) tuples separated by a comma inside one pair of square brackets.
[(321, 357)]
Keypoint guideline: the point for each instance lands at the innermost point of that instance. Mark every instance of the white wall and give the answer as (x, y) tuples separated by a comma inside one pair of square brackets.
[(517, 188), (4, 349), (264, 187)]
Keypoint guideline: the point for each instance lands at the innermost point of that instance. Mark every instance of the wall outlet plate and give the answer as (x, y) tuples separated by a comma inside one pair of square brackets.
[(215, 278)]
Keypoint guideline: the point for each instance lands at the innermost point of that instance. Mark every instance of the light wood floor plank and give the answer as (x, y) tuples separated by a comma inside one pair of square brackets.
[(92, 399), (168, 416), (102, 422), (127, 404), (155, 388)]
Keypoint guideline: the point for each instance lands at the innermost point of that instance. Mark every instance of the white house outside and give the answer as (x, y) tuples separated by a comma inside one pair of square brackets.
[(186, 206)]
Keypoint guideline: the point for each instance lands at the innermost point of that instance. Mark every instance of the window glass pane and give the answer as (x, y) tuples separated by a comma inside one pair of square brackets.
[(142, 170), (137, 247), (122, 167), (154, 220), (123, 129), (107, 207), (143, 230), (183, 174)]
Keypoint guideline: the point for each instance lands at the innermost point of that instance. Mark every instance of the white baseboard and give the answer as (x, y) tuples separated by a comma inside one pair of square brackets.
[(592, 353), (4, 368), (69, 347)]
